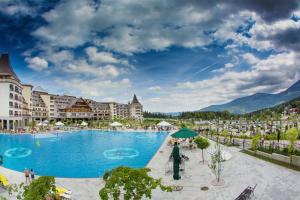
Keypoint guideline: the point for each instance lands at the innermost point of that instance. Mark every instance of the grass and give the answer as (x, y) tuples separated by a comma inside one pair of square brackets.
[(283, 164)]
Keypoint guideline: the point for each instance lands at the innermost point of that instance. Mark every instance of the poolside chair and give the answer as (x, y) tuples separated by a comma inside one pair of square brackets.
[(3, 182), (248, 193), (168, 167), (63, 193)]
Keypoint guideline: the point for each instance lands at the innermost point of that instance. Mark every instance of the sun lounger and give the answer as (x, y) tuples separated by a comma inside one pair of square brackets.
[(3, 181), (248, 193), (64, 193)]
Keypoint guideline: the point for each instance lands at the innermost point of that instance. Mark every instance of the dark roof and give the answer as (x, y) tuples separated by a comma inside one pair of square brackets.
[(40, 89), (135, 100), (5, 67)]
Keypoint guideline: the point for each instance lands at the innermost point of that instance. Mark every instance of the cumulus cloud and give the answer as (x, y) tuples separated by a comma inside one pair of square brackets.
[(112, 33), (101, 88), (250, 58), (16, 7), (140, 26), (272, 74), (154, 88), (100, 57), (37, 64), (82, 67)]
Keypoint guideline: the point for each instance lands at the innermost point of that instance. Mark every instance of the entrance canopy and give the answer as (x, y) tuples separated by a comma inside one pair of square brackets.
[(114, 124), (59, 124), (164, 124)]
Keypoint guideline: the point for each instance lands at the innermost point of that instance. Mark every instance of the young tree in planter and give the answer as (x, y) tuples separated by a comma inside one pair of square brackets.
[(225, 134), (32, 125), (291, 135), (202, 143), (254, 143), (133, 183), (216, 163)]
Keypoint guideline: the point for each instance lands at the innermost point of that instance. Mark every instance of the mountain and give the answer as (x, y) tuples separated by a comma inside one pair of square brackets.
[(257, 101), (278, 109)]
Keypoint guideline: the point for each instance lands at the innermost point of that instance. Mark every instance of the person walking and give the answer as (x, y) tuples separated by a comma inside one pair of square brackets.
[(27, 179), (31, 174)]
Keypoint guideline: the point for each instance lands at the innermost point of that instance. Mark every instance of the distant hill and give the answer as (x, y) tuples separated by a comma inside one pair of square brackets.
[(294, 103), (257, 101)]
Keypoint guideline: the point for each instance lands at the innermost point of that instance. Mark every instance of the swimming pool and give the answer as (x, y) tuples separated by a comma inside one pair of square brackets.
[(80, 154)]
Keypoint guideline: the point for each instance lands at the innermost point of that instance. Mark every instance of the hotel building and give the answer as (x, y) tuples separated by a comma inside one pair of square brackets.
[(21, 103)]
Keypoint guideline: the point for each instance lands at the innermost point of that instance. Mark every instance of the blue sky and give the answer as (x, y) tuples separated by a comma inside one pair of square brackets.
[(175, 55)]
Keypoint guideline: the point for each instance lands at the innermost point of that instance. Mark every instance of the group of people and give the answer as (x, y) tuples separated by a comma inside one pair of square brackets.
[(29, 175)]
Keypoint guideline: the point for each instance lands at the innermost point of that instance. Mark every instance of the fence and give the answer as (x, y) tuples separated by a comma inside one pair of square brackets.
[(246, 143)]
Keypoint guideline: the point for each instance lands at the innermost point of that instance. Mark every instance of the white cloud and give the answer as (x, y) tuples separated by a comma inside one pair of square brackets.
[(60, 56), (272, 74), (100, 57), (16, 7), (250, 58), (82, 67), (133, 27), (36, 63), (95, 87), (154, 88)]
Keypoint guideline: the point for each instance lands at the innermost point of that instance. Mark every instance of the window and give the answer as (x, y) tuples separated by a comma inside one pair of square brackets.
[(11, 104), (11, 112), (11, 87), (11, 96)]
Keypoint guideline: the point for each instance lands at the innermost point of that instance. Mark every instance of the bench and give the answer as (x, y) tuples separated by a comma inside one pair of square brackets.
[(248, 193)]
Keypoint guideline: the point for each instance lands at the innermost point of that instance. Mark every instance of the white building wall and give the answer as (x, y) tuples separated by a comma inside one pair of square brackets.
[(4, 99)]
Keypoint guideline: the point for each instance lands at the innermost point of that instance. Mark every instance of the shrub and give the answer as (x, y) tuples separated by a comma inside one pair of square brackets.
[(133, 183)]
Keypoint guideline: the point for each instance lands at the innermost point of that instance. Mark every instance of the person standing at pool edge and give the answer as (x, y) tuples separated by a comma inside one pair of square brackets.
[(31, 174), (27, 179)]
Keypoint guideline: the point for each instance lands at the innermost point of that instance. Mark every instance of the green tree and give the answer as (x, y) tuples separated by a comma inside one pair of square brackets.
[(40, 188), (133, 183), (202, 143), (254, 143), (291, 136), (32, 124), (225, 134)]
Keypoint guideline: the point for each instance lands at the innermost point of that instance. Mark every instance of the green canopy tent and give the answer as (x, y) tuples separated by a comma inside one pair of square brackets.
[(184, 133)]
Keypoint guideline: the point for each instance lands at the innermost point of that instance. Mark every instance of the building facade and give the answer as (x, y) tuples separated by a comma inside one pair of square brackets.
[(11, 101), (21, 103)]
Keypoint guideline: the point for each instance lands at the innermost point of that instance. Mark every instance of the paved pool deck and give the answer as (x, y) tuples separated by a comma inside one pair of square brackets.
[(273, 182)]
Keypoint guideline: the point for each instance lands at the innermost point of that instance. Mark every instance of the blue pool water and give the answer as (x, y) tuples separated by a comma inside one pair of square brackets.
[(80, 154)]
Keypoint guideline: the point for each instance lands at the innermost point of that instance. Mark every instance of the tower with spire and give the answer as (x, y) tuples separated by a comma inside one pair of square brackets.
[(136, 109), (11, 99)]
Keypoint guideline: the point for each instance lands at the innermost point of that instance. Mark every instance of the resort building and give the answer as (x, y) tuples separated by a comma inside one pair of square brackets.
[(11, 101), (136, 109), (101, 110), (21, 103)]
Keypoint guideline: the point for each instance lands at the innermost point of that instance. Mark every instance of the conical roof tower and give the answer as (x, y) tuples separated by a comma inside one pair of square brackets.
[(135, 100), (5, 68)]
